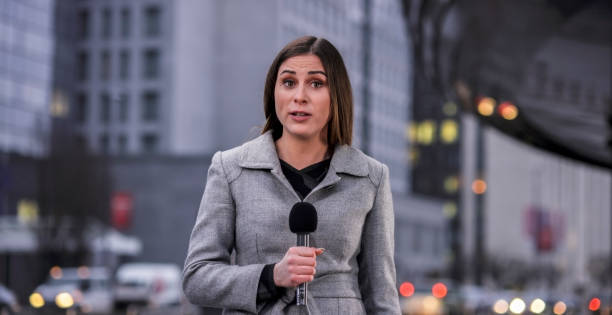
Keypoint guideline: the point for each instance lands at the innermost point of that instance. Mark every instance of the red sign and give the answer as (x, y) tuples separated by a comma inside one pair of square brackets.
[(121, 210)]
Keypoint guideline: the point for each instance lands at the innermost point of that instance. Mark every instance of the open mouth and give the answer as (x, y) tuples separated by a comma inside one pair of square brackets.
[(299, 114)]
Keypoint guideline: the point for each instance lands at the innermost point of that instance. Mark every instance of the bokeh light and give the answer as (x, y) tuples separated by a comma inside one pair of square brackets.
[(449, 131), (479, 186), (439, 290), (83, 272), (559, 308), (64, 300), (55, 272), (500, 306), (486, 106), (406, 289), (449, 109), (36, 300), (508, 110), (517, 306), (537, 306), (594, 304)]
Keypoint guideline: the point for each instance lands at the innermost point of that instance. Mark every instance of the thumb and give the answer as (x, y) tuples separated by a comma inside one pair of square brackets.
[(319, 251)]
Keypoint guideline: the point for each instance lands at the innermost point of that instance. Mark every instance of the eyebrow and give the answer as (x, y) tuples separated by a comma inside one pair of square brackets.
[(309, 72)]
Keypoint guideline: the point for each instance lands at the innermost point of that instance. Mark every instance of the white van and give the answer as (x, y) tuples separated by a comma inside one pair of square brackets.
[(147, 284)]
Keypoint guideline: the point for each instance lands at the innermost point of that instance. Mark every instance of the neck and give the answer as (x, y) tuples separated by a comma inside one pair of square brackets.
[(300, 153)]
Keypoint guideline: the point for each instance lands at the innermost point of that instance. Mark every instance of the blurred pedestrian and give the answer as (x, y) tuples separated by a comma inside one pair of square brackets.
[(242, 255)]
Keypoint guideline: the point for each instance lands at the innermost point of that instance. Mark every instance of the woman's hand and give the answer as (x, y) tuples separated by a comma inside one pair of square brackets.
[(297, 267)]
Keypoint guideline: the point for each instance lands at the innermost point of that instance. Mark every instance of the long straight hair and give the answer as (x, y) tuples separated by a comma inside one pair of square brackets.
[(340, 125)]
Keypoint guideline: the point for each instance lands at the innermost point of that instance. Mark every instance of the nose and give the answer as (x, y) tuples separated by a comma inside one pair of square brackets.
[(300, 96)]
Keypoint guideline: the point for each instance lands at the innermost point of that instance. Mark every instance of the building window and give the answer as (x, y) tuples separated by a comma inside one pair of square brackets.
[(124, 64), (80, 113), (124, 102), (106, 23), (122, 142), (150, 67), (150, 110), (126, 21), (152, 21), (105, 108), (83, 24), (105, 65), (82, 68), (149, 143), (104, 143)]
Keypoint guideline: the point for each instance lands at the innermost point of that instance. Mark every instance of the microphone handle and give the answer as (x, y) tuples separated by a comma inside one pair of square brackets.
[(302, 289)]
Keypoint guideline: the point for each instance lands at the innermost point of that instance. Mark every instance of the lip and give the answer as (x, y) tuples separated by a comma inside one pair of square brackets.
[(294, 117)]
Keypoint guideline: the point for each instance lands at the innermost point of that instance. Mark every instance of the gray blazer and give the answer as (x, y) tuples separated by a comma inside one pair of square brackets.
[(245, 208)]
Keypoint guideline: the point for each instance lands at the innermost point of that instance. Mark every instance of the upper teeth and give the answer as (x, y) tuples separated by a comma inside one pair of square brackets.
[(300, 114)]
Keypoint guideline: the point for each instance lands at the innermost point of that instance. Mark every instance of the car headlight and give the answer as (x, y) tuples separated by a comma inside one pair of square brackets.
[(36, 300), (64, 300)]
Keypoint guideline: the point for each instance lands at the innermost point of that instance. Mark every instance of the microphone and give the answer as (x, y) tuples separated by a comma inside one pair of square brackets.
[(302, 221)]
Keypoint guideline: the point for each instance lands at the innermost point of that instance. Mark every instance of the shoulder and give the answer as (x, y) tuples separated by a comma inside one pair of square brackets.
[(234, 159), (353, 161)]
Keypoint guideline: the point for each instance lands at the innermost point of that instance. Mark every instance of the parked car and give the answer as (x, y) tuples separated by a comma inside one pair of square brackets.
[(84, 289), (8, 301), (147, 284)]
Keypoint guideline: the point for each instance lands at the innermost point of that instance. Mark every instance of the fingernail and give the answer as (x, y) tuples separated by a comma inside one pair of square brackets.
[(321, 249)]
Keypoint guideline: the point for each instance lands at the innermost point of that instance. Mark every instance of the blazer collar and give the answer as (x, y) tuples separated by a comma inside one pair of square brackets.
[(260, 153)]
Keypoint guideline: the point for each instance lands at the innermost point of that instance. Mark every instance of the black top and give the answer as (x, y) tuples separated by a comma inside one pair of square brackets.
[(302, 181)]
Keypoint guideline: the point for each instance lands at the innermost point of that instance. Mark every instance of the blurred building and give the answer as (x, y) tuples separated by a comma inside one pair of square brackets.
[(540, 209), (26, 56)]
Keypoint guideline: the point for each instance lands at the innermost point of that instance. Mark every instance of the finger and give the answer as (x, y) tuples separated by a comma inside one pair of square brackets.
[(319, 251), (302, 270), (303, 251), (296, 260)]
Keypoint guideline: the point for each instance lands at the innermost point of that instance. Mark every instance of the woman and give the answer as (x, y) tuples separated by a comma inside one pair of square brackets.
[(242, 256)]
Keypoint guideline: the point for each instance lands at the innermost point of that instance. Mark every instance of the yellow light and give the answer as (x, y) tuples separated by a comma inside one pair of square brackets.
[(36, 300), (83, 272), (537, 306), (426, 131), (431, 305), (64, 300), (449, 109), (500, 306), (486, 106), (56, 272), (517, 306), (413, 155), (449, 210), (449, 131), (27, 211), (508, 110), (479, 186), (559, 308), (451, 184), (59, 105)]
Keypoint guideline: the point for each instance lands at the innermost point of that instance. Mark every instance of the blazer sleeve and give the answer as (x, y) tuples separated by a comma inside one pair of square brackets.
[(376, 264), (209, 279)]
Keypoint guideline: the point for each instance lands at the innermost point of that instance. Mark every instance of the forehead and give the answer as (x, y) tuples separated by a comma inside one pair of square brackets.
[(302, 63)]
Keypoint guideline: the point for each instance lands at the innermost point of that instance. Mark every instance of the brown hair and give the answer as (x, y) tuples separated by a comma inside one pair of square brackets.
[(340, 125)]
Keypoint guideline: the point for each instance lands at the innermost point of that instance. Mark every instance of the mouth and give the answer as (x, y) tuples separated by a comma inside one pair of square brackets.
[(299, 114)]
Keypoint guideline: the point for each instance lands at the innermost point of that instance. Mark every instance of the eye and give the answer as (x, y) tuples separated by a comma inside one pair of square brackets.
[(288, 83), (316, 84)]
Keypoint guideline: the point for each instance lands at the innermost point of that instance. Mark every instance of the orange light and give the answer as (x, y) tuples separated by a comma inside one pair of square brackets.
[(439, 290), (406, 289), (594, 304), (56, 272), (479, 186), (486, 106), (508, 110)]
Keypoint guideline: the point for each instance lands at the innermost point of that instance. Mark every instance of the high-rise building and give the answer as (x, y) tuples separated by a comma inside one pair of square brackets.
[(26, 57)]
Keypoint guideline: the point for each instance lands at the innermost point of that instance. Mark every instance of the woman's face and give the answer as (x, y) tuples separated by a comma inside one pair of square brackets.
[(301, 97)]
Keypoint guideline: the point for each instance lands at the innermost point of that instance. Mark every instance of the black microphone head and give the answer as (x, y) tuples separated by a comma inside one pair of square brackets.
[(303, 218)]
